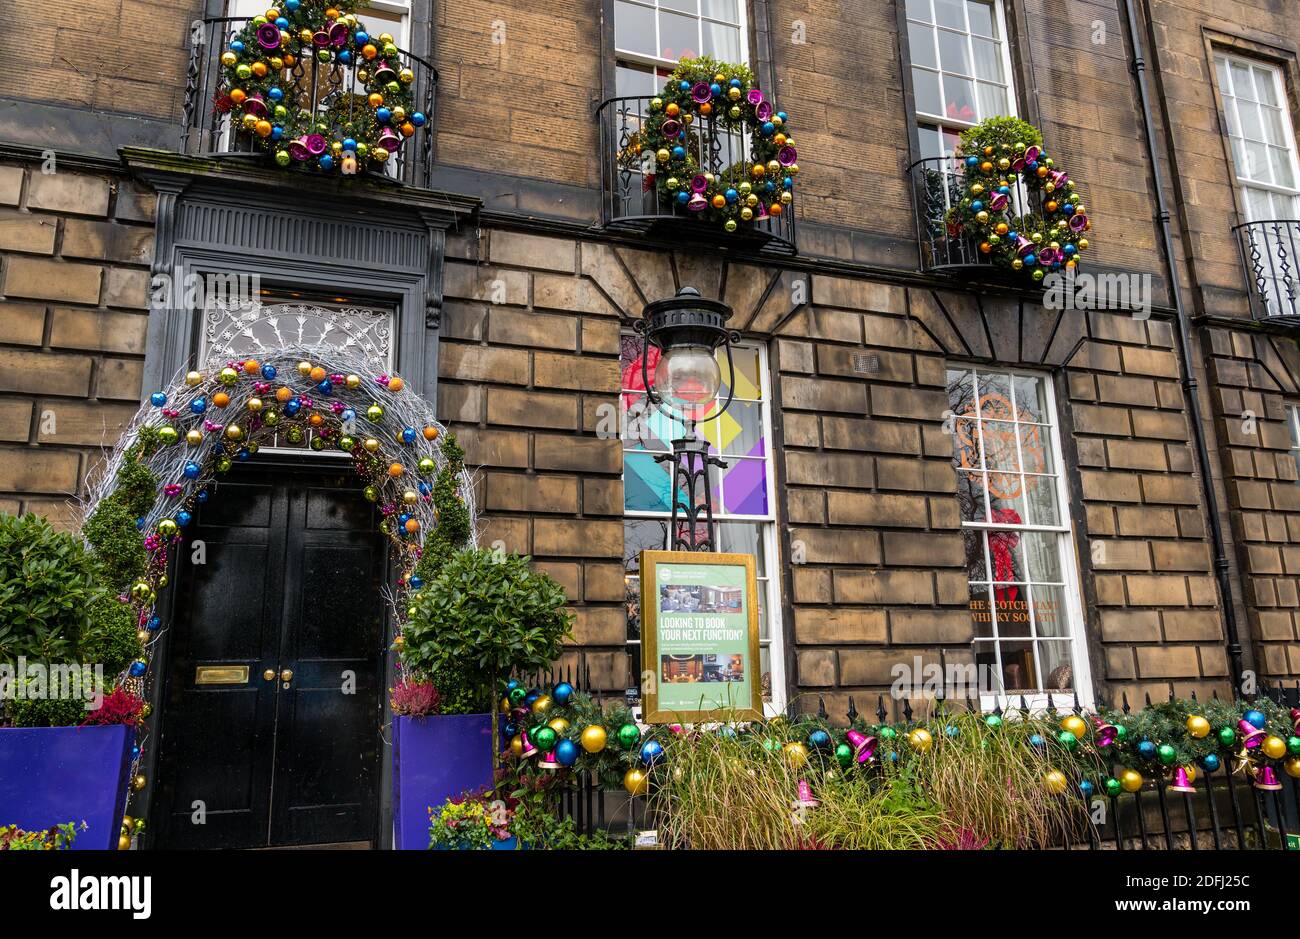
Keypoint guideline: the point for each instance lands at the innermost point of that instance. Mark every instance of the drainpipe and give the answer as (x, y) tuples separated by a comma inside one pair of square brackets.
[(1190, 391)]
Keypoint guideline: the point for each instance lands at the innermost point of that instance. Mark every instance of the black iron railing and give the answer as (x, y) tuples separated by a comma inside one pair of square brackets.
[(326, 89), (630, 198), (1270, 252), (939, 185)]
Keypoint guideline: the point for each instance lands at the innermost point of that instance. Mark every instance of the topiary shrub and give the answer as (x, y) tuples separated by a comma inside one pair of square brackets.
[(111, 636), (46, 712), (454, 523), (48, 582), (117, 543), (482, 616)]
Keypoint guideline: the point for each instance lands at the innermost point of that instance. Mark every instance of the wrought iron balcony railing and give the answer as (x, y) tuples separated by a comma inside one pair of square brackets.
[(324, 89), (631, 201), (938, 185), (1270, 252)]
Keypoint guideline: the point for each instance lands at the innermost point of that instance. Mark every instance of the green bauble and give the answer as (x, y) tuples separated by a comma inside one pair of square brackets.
[(544, 737), (1167, 754), (223, 464), (844, 755), (271, 418), (168, 434), (295, 434), (1067, 739), (1120, 731), (1293, 744), (228, 376), (346, 442), (167, 528), (994, 720), (282, 157), (1113, 787), (427, 465), (517, 695), (1227, 736), (886, 733), (371, 493), (629, 735), (374, 414)]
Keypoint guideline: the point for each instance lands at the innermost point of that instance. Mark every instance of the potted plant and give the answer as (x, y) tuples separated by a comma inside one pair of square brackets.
[(481, 615), (66, 734), (473, 822)]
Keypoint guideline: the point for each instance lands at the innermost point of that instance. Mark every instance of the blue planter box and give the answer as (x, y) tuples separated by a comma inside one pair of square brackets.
[(435, 758), (52, 775)]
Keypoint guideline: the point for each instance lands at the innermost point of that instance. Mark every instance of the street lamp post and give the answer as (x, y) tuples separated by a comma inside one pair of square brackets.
[(688, 329)]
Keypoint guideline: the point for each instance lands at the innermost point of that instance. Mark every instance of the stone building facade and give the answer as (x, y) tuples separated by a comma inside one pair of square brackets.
[(530, 294)]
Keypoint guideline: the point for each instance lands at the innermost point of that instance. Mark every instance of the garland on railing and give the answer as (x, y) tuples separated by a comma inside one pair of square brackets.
[(1109, 752), (758, 185), (998, 155), (284, 64)]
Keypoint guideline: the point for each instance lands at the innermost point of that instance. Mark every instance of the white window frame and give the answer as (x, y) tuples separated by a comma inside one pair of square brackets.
[(654, 61), (1081, 672), (767, 526), (1231, 112), (1003, 40)]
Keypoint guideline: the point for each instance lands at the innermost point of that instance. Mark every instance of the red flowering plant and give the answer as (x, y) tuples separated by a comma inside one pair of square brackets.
[(415, 698), (117, 707)]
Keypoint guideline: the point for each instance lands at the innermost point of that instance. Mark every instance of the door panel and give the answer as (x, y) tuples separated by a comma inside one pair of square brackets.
[(292, 580)]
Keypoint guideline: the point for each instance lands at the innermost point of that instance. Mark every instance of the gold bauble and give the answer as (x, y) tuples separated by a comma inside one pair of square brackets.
[(1274, 747), (411, 497), (371, 445), (1075, 725), (254, 404), (1292, 767), (194, 437), (127, 822), (636, 782), (559, 725), (139, 783), (193, 378), (542, 704), (304, 369), (1130, 780), (1055, 782), (516, 746), (124, 843), (797, 754), (353, 382), (594, 738), (1198, 726), (921, 739)]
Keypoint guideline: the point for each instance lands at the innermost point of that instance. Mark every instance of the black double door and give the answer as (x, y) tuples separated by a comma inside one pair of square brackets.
[(270, 734)]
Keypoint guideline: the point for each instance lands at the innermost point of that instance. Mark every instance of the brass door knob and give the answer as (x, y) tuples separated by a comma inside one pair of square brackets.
[(269, 674), (286, 675)]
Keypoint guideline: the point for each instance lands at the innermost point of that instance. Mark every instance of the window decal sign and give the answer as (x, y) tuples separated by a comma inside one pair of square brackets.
[(699, 643)]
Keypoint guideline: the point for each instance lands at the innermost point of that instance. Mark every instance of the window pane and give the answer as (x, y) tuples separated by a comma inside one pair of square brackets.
[(920, 10), (1241, 83), (1035, 448), (1031, 398), (634, 81), (743, 538), (995, 396), (920, 41), (1042, 556), (1256, 161), (931, 142), (1280, 160), (1266, 87), (976, 567), (981, 611), (992, 100), (1000, 445), (679, 36), (1018, 670), (1011, 608), (1252, 124), (953, 53), (722, 42), (970, 497), (925, 85), (1049, 611), (981, 18), (634, 28), (1273, 131), (685, 6), (1006, 556), (1040, 494), (1055, 658), (988, 60), (950, 13), (647, 483), (745, 361), (722, 10), (959, 98)]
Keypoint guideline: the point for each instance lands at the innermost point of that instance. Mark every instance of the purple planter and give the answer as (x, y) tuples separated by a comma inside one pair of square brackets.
[(52, 775), (435, 758)]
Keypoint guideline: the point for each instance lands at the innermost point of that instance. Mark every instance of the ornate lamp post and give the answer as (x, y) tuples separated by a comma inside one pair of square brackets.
[(687, 330)]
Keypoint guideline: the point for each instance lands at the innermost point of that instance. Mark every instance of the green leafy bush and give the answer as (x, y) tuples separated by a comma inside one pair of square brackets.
[(996, 131), (484, 615), (58, 838), (46, 712), (47, 584)]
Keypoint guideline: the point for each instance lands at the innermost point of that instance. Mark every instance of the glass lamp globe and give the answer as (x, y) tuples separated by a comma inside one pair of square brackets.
[(687, 379)]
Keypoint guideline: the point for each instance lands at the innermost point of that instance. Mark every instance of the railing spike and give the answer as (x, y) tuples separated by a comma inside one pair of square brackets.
[(852, 711), (881, 713), (1125, 707), (821, 707)]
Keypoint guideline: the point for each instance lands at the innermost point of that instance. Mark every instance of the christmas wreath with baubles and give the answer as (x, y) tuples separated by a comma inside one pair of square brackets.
[(703, 97), (267, 71), (999, 155)]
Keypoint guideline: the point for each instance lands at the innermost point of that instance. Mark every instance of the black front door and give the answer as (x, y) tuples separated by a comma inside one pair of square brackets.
[(272, 709)]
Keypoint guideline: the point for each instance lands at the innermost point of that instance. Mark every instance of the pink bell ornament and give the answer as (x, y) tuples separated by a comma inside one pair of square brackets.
[(1078, 222), (548, 761), (1266, 779), (1181, 783), (385, 73), (805, 800), (389, 139), (1058, 178), (864, 747), (298, 149), (1032, 154), (1023, 246), (529, 749), (697, 203), (1254, 736), (998, 201)]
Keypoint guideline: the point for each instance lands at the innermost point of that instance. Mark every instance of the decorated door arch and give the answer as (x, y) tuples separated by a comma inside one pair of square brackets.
[(187, 436)]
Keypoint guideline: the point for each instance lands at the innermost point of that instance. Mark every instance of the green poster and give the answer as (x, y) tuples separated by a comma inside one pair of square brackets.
[(700, 636)]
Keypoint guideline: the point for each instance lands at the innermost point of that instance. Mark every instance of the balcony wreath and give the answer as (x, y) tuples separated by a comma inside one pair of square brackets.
[(702, 100), (998, 156), (308, 82)]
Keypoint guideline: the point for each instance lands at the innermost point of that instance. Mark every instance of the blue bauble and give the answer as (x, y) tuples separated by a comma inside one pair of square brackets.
[(403, 519), (292, 5), (734, 83), (416, 582), (530, 698), (1255, 719), (139, 524), (345, 56), (976, 206), (281, 22), (157, 399), (183, 518), (236, 46), (972, 161), (154, 623), (424, 489), (1037, 740), (715, 88), (1030, 260), (1147, 749), (277, 132), (418, 118), (275, 94), (199, 405), (652, 751), (191, 471), (787, 183), (1069, 249), (819, 739), (326, 387), (268, 372), (349, 144), (768, 128), (1210, 761), (512, 684), (292, 407), (138, 668), (326, 163), (362, 37), (348, 414), (202, 496), (135, 753), (1068, 210), (509, 730), (243, 454), (1085, 787), (408, 435), (731, 195), (562, 693), (783, 116), (383, 115), (566, 753), (769, 186), (683, 197), (679, 153)]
